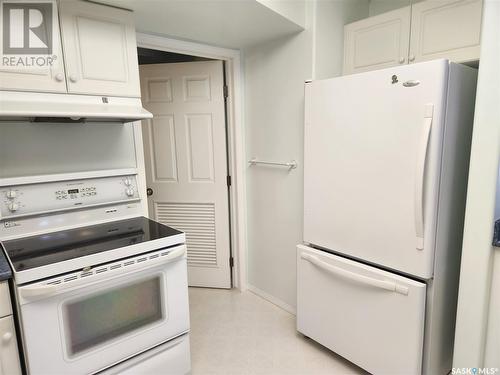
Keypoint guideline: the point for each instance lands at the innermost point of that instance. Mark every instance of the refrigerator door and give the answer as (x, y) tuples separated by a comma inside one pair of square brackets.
[(373, 144), (373, 318)]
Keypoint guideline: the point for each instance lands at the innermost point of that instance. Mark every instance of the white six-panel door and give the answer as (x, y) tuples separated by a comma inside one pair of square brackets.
[(186, 162)]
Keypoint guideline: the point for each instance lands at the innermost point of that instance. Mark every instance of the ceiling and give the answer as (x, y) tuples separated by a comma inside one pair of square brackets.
[(225, 23)]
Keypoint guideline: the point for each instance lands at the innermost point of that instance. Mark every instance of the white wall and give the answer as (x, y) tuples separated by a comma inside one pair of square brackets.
[(274, 79), (330, 17), (382, 6), (274, 100), (294, 10), (478, 316), (227, 23)]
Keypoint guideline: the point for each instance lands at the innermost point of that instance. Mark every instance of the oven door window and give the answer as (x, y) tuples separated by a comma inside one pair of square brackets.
[(99, 318)]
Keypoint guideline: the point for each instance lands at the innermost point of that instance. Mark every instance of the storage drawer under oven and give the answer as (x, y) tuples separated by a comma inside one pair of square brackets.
[(372, 317), (171, 358)]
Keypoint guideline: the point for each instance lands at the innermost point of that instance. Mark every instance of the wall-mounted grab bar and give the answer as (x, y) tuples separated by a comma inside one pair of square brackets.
[(291, 164)]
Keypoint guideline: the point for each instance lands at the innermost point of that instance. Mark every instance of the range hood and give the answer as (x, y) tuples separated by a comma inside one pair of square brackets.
[(49, 107)]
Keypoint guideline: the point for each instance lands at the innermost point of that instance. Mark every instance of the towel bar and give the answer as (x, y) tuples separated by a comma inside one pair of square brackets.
[(291, 164)]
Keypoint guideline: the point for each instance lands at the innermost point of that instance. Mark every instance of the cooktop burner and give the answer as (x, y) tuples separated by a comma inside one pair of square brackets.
[(41, 250)]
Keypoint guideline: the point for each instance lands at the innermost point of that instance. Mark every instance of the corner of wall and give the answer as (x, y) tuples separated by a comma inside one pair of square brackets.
[(330, 18)]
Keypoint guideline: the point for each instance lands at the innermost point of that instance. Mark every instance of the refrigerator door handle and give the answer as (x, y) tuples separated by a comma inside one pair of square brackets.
[(420, 176), (360, 279)]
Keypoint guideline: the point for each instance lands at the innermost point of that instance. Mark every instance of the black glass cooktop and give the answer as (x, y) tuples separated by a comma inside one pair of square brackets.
[(36, 251)]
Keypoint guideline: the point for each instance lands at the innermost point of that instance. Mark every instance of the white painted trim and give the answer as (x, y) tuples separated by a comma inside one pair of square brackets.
[(236, 137), (270, 298), (477, 252), (314, 38), (187, 48), (141, 170)]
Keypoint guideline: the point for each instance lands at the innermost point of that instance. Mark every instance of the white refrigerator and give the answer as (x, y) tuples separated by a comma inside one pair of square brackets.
[(385, 178)]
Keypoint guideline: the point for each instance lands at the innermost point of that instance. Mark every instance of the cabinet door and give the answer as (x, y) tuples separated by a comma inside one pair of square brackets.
[(40, 79), (445, 29), (377, 42), (9, 356), (5, 307), (100, 49)]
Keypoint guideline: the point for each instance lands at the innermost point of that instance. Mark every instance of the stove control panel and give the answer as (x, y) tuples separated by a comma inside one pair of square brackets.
[(46, 197)]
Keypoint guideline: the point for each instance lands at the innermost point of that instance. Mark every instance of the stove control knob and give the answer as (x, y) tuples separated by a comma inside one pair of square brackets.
[(13, 207), (11, 194), (127, 181), (129, 192)]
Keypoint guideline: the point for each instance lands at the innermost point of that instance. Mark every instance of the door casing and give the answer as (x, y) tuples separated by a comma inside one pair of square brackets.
[(235, 139)]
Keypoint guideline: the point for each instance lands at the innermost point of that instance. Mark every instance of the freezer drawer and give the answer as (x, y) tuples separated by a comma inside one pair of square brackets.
[(372, 317)]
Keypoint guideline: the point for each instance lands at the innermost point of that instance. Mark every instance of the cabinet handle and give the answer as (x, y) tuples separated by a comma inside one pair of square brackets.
[(73, 78), (412, 58), (59, 77), (402, 60), (6, 337)]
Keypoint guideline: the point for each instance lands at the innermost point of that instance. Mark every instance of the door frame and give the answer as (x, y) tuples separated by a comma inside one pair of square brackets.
[(235, 141)]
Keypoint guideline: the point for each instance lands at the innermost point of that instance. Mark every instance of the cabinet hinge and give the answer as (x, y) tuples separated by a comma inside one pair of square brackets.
[(226, 91), (229, 181), (231, 262)]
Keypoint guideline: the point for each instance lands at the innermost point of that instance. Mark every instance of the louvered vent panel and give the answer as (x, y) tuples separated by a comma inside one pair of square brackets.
[(197, 220)]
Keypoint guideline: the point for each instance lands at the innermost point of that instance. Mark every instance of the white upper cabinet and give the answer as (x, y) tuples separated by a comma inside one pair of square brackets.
[(427, 30), (95, 50), (445, 29), (42, 79), (377, 42), (100, 49)]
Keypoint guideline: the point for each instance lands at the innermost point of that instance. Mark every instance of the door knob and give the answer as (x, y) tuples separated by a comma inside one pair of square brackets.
[(6, 337), (402, 60), (149, 192), (73, 78), (59, 77)]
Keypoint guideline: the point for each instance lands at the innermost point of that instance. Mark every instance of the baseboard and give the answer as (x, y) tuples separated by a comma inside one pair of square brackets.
[(275, 301)]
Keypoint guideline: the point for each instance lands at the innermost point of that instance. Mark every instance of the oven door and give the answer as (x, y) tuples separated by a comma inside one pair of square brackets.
[(83, 324)]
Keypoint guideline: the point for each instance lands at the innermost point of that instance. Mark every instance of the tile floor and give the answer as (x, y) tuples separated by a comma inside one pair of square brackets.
[(240, 333)]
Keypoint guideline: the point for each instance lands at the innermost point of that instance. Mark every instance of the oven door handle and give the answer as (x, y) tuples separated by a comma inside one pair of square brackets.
[(45, 290)]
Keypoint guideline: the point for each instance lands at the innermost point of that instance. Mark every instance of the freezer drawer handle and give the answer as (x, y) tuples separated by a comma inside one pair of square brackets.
[(420, 177), (381, 284)]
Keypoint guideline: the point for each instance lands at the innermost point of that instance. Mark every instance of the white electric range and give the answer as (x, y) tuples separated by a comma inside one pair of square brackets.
[(99, 288)]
